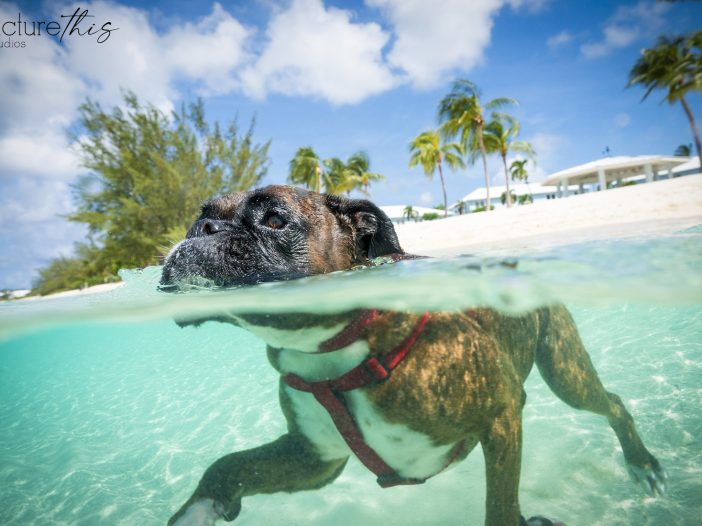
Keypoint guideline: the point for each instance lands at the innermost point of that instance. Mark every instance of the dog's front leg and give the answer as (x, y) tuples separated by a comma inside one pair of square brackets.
[(502, 448), (290, 464)]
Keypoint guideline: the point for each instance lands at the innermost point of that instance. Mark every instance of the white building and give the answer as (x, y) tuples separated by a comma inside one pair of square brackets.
[(615, 171), (476, 199), (396, 213), (604, 173)]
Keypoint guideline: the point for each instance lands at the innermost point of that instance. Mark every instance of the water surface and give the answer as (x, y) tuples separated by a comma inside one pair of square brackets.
[(110, 412)]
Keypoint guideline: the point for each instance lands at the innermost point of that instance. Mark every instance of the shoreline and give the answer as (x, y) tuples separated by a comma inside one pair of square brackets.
[(659, 208), (662, 208)]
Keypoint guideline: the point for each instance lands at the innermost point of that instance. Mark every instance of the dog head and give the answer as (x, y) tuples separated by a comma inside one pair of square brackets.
[(278, 233)]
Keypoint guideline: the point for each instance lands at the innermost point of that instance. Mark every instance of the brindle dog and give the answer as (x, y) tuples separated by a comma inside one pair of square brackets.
[(461, 383)]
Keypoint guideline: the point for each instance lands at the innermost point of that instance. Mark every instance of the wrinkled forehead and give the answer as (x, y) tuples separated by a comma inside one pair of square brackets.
[(227, 206)]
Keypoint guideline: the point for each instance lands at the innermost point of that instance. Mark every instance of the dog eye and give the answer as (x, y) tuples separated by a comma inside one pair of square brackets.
[(274, 221)]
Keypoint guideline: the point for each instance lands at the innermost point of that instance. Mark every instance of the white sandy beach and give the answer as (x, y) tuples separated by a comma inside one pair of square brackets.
[(662, 207)]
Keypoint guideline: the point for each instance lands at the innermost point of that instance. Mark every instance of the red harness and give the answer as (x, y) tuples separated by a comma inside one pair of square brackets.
[(373, 370)]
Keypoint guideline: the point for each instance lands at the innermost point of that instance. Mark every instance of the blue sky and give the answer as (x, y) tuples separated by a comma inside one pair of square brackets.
[(338, 76)]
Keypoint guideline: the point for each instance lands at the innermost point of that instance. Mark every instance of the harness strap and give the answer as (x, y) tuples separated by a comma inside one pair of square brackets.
[(350, 333), (373, 370)]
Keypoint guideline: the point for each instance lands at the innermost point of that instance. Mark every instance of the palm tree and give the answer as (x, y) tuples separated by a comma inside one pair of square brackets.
[(505, 197), (500, 137), (336, 177), (673, 65), (518, 171), (461, 207), (461, 114), (410, 213), (305, 169), (684, 150), (358, 168), (428, 150)]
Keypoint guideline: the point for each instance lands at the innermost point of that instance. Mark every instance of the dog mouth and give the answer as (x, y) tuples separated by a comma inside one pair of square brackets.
[(195, 282), (223, 264)]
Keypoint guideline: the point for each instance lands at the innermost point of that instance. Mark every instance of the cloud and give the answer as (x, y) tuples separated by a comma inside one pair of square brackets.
[(37, 88), (559, 40), (432, 42), (30, 232), (550, 149), (533, 6), (546, 144), (41, 154), (626, 26), (426, 199), (44, 83), (210, 51), (622, 120), (320, 52)]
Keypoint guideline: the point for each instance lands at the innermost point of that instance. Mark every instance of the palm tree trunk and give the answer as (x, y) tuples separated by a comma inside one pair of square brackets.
[(443, 188), (695, 133), (509, 196), (483, 154)]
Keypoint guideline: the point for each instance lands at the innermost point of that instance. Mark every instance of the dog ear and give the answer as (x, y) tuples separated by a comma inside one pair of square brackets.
[(374, 234)]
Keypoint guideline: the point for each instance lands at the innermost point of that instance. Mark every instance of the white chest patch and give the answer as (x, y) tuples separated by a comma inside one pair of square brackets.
[(409, 453), (305, 340)]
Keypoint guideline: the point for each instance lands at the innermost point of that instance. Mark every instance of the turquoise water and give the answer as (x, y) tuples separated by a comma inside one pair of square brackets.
[(110, 412)]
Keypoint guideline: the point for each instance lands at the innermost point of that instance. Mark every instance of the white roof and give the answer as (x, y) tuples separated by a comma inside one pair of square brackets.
[(690, 164), (480, 194), (398, 211), (618, 167)]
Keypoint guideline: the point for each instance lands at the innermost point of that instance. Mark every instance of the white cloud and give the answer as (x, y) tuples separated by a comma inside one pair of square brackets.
[(559, 40), (135, 57), (432, 42), (210, 50), (42, 154), (316, 51), (550, 149), (37, 88), (622, 120), (426, 199), (30, 232), (435, 41), (533, 6), (626, 26), (546, 144), (131, 58)]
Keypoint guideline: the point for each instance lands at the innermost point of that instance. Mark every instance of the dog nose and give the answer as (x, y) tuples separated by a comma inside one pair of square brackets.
[(211, 226), (208, 227)]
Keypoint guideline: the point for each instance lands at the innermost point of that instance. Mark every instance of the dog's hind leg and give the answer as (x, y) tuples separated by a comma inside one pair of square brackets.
[(566, 367), (289, 464), (502, 448)]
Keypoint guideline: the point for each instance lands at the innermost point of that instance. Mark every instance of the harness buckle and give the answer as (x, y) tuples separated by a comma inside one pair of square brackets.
[(376, 369)]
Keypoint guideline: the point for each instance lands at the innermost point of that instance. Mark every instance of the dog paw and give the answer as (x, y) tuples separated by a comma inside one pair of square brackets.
[(203, 512), (651, 476)]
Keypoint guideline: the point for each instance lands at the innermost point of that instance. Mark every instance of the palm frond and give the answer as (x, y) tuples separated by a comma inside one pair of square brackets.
[(501, 102)]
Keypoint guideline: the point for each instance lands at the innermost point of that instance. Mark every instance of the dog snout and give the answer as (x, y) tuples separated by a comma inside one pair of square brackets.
[(208, 227)]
